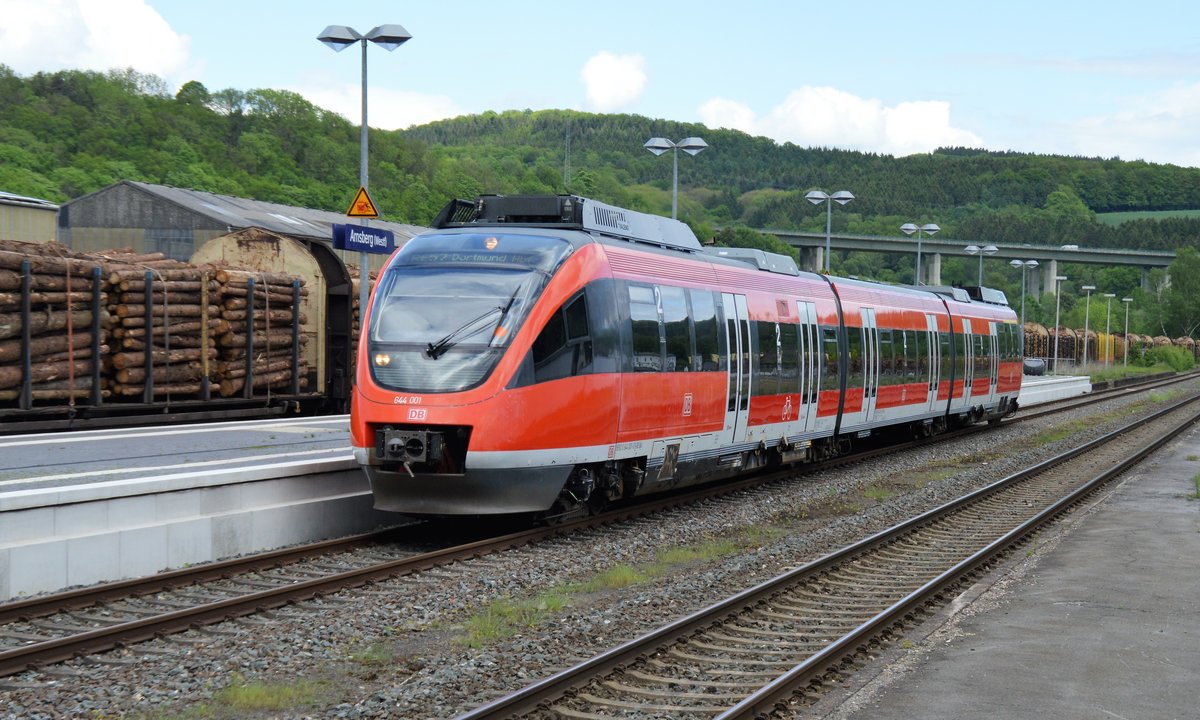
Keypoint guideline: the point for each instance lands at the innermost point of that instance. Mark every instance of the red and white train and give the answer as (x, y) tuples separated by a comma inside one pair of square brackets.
[(551, 354)]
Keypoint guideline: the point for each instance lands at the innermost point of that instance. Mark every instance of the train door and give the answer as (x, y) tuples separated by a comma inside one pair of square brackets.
[(810, 376), (993, 340), (870, 363), (968, 364), (933, 360), (737, 339)]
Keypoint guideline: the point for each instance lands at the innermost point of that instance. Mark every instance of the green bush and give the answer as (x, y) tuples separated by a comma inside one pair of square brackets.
[(1177, 358)]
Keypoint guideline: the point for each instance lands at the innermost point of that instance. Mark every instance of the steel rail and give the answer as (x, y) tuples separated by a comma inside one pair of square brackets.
[(51, 651), (537, 695)]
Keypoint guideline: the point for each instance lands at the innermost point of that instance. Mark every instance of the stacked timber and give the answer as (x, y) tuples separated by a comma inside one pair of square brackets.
[(1089, 342), (1063, 343), (1160, 341), (59, 319), (1186, 343), (166, 315), (1037, 341), (260, 339)]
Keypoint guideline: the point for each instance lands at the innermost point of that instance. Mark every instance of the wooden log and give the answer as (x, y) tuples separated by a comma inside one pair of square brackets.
[(47, 265), (42, 321), (40, 372), (124, 360), (229, 369), (39, 394), (217, 326), (171, 311), (11, 280), (239, 353), (116, 275), (10, 350), (13, 299), (139, 286), (232, 276), (176, 341), (277, 340), (234, 385), (162, 373), (82, 353), (233, 301), (277, 317), (164, 389), (171, 298)]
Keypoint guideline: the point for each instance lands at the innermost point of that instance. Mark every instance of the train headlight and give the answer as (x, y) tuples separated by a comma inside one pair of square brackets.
[(383, 359)]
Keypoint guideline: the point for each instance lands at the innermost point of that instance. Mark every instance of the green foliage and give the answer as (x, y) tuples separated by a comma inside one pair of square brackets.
[(1177, 358)]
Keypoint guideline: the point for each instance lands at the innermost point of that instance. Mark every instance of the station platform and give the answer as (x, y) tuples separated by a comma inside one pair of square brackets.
[(1102, 622)]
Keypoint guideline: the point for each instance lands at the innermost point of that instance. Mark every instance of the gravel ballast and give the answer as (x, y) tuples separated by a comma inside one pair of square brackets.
[(398, 649)]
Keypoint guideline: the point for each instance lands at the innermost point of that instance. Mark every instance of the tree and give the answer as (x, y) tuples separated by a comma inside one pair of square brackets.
[(1182, 296)]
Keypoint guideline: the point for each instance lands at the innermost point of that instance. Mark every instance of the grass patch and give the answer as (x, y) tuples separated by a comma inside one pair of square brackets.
[(1193, 458), (244, 697), (505, 618), (1116, 218), (878, 494), (1062, 432), (1195, 494)]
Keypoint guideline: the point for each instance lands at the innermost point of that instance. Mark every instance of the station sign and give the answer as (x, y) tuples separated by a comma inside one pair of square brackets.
[(361, 238)]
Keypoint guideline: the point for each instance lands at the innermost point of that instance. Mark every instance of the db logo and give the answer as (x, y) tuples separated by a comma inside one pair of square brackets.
[(687, 404), (417, 413)]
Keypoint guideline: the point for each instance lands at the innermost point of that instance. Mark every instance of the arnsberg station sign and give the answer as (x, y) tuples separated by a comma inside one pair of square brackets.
[(363, 239)]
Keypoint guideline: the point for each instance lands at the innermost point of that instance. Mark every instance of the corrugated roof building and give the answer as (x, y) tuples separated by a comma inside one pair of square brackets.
[(26, 219), (176, 221)]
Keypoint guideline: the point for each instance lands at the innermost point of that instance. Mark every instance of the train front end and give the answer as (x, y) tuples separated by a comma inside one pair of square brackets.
[(432, 365)]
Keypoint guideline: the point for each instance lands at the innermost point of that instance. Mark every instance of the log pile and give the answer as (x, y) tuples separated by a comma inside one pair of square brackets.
[(258, 310), (1066, 342), (61, 322), (1037, 341), (164, 310), (139, 327)]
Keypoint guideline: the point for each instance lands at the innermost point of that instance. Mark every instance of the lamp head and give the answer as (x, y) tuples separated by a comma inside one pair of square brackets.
[(816, 197), (339, 37), (389, 37), (658, 145)]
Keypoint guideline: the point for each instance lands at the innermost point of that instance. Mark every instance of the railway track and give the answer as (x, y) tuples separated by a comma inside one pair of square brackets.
[(777, 645), (79, 623)]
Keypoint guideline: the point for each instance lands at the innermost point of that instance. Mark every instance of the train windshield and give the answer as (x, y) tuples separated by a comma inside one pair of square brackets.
[(448, 305)]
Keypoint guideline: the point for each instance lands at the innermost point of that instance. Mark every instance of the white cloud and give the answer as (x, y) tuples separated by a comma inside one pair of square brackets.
[(50, 35), (1157, 128), (613, 81), (386, 109), (828, 117)]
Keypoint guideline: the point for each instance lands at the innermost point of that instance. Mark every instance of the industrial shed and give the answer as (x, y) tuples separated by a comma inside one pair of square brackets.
[(26, 219), (176, 222)]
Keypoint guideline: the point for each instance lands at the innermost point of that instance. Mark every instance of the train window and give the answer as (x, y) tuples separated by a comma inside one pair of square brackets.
[(789, 357), (960, 356), (647, 338), (677, 328), (887, 358), (854, 357), (563, 348), (829, 356), (708, 346), (922, 348), (766, 382)]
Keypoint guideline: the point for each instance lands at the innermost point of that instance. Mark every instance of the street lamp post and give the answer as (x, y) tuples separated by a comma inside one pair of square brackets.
[(1027, 264), (1086, 309), (1058, 279), (1125, 302), (816, 197), (981, 251), (909, 229), (340, 37), (1107, 316), (691, 146)]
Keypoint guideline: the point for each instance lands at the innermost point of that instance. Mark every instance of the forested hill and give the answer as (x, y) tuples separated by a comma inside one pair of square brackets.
[(68, 133)]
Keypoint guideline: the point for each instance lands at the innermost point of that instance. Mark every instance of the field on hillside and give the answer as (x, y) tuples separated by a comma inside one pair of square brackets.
[(1116, 218)]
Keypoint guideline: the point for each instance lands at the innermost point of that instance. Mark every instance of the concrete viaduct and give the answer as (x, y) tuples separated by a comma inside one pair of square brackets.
[(812, 254)]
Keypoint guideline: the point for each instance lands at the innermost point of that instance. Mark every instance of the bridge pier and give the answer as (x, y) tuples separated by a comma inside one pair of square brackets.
[(933, 269)]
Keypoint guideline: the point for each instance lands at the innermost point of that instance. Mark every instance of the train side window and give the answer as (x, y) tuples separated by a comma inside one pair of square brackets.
[(708, 344), (647, 338), (829, 356), (887, 357), (789, 357), (854, 357), (677, 328), (766, 381), (563, 348)]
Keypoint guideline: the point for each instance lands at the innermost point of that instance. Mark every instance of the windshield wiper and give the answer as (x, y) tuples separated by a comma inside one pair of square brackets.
[(436, 349)]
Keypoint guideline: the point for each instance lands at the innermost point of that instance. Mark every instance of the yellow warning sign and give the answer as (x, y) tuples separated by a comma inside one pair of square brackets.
[(363, 206)]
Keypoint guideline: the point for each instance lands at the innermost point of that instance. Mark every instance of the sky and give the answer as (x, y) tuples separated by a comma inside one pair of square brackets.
[(1096, 78)]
